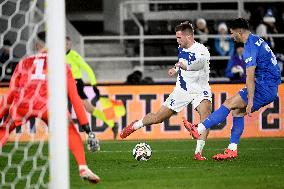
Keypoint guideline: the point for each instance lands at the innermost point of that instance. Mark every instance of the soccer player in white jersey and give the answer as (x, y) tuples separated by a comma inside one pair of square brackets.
[(192, 86)]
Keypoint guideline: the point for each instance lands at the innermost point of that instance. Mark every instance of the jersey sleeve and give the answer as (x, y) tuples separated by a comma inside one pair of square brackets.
[(198, 61), (84, 66), (75, 99), (250, 54), (14, 88)]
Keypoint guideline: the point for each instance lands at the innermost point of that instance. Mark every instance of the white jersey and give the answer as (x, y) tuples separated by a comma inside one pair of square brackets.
[(196, 78)]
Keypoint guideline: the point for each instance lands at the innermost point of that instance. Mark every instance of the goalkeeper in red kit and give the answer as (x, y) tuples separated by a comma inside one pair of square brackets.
[(27, 98)]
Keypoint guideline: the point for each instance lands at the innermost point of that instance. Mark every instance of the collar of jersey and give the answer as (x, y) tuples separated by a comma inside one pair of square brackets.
[(190, 48)]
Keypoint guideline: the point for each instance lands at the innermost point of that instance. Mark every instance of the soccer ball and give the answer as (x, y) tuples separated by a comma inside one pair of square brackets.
[(142, 152)]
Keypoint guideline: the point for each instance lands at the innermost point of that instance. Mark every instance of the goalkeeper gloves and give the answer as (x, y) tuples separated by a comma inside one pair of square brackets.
[(93, 142), (86, 128)]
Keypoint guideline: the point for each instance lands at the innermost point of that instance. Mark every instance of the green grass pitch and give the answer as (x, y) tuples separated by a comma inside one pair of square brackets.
[(260, 165)]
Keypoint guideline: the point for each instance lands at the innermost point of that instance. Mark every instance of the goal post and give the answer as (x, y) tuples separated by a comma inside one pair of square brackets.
[(59, 157)]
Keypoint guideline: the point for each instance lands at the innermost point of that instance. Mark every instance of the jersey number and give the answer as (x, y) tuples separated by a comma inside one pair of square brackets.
[(39, 63)]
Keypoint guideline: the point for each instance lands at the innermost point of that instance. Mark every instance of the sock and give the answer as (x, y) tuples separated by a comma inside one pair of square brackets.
[(233, 146), (237, 129), (76, 145), (137, 125), (83, 167), (201, 128), (199, 146), (216, 117)]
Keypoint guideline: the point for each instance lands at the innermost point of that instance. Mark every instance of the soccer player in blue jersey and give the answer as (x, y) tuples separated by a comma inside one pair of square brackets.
[(262, 80)]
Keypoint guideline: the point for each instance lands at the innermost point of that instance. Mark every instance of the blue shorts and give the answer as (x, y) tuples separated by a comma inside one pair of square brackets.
[(263, 95)]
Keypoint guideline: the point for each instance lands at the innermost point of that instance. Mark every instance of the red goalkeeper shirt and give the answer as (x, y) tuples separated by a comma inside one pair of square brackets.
[(28, 90)]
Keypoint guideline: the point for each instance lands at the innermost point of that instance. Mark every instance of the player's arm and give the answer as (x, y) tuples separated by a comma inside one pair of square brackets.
[(250, 83), (195, 65), (250, 54), (75, 99), (14, 87), (91, 75)]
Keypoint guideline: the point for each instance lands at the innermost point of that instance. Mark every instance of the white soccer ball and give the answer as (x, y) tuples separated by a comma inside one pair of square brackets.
[(142, 152)]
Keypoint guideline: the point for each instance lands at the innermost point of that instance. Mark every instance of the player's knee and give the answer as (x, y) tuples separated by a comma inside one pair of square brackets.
[(204, 115), (228, 103), (238, 112)]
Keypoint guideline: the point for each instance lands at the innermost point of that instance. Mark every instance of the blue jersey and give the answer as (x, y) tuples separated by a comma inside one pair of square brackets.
[(257, 53)]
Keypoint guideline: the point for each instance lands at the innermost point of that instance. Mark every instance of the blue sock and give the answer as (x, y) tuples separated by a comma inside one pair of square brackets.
[(237, 129), (216, 117)]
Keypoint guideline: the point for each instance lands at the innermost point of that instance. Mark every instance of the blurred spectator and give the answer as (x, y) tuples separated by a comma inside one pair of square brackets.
[(5, 51), (267, 27), (280, 61), (147, 80), (134, 78), (236, 66), (202, 30), (224, 45)]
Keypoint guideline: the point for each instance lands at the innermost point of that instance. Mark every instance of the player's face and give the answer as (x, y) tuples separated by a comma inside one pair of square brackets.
[(68, 45), (236, 34), (183, 39)]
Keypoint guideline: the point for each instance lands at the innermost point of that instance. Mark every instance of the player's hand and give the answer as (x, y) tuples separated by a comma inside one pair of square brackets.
[(249, 109), (181, 65), (171, 72)]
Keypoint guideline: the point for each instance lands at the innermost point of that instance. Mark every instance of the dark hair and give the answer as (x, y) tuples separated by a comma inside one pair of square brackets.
[(239, 23), (41, 35), (185, 26), (237, 45), (68, 38)]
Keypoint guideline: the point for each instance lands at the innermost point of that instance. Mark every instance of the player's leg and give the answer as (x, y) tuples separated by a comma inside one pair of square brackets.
[(237, 129), (151, 118), (177, 100), (77, 148), (204, 109), (218, 116), (236, 132)]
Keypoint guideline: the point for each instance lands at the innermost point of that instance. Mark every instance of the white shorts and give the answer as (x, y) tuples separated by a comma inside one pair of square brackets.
[(179, 99)]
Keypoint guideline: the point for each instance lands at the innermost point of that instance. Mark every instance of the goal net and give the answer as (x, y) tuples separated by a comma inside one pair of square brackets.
[(27, 159)]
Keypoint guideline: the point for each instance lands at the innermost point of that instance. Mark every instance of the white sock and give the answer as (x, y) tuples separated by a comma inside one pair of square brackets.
[(201, 128), (199, 146), (83, 167), (233, 146), (137, 125)]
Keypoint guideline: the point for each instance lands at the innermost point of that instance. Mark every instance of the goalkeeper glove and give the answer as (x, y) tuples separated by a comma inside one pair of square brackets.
[(93, 142), (86, 128)]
